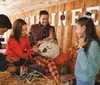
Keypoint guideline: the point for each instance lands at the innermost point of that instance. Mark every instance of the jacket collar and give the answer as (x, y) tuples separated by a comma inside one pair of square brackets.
[(41, 26)]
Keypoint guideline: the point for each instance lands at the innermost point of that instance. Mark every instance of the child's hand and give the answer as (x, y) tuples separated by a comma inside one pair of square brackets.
[(81, 42)]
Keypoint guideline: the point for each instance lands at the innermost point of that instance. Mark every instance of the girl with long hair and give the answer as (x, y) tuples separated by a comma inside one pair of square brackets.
[(18, 41), (88, 58)]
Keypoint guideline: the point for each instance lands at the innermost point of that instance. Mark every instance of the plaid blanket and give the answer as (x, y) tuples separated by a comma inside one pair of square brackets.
[(48, 65)]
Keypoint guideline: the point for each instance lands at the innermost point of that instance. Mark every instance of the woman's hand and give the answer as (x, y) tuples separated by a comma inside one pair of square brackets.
[(11, 69), (10, 59), (35, 48)]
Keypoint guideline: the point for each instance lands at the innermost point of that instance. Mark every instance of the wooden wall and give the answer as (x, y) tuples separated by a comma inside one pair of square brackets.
[(65, 34)]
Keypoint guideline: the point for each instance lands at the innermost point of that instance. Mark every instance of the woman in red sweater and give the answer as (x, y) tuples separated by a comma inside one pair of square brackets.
[(18, 45)]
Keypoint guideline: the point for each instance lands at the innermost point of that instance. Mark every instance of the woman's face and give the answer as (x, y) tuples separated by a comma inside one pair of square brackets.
[(24, 30), (80, 30)]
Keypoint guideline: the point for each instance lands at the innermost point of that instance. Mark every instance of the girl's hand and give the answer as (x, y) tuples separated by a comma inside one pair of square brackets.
[(81, 42)]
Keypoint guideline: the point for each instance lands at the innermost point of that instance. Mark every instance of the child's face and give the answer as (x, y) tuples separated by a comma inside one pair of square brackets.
[(44, 19), (80, 30), (24, 30)]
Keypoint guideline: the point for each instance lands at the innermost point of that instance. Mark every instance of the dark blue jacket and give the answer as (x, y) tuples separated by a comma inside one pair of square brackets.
[(3, 62)]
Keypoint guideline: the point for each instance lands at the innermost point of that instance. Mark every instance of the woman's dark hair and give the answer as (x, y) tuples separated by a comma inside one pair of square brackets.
[(17, 29), (90, 30), (43, 12)]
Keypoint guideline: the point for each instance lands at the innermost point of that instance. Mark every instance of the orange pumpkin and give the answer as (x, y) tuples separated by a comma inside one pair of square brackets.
[(61, 59)]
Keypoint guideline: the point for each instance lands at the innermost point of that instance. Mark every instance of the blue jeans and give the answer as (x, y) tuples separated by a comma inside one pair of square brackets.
[(80, 82)]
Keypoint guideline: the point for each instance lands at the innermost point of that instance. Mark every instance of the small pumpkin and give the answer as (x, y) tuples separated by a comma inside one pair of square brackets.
[(61, 59)]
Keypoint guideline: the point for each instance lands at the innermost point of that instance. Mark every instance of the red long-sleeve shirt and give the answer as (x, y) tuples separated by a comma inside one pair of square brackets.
[(16, 50)]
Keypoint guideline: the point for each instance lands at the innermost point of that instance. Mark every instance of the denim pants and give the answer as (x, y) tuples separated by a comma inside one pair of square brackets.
[(80, 82)]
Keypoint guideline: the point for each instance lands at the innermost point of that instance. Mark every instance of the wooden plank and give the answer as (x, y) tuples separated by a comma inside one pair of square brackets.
[(65, 33)]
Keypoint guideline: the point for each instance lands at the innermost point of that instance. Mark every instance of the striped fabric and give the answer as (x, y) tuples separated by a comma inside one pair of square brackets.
[(48, 65)]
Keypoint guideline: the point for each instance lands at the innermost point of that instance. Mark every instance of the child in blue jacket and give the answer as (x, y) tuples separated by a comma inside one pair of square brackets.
[(88, 58)]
